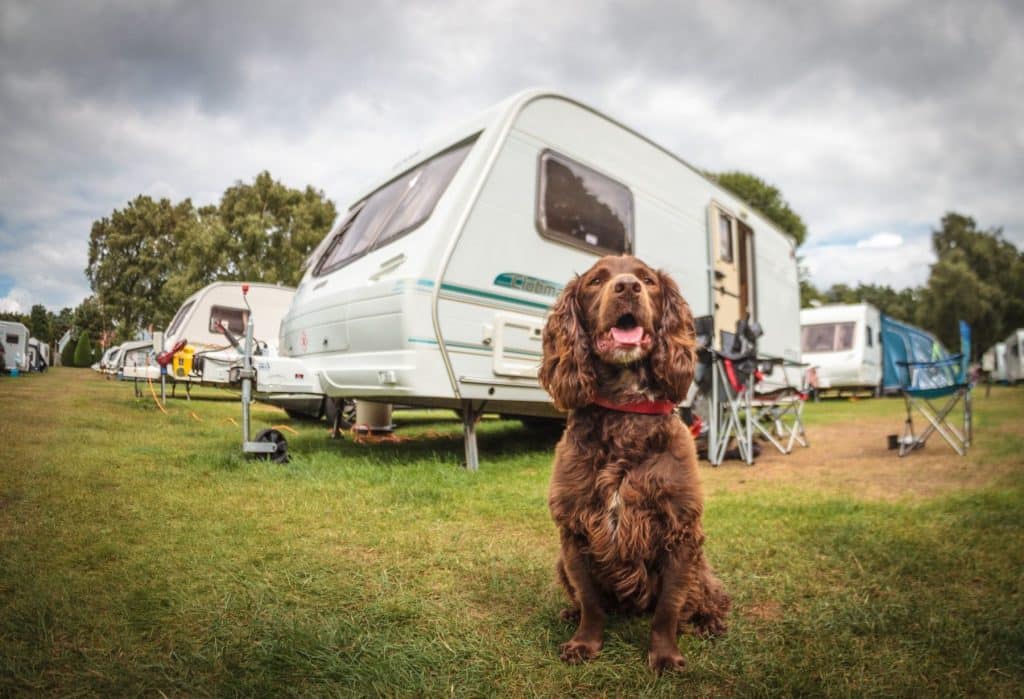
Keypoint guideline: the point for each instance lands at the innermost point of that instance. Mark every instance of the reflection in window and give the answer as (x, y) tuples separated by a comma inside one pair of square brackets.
[(582, 207), (724, 237), (827, 337), (234, 319), (393, 210)]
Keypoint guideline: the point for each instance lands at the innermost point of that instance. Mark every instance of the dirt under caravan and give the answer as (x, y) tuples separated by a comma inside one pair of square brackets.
[(433, 287)]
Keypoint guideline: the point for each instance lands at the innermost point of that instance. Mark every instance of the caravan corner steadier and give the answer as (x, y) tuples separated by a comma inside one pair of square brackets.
[(432, 289)]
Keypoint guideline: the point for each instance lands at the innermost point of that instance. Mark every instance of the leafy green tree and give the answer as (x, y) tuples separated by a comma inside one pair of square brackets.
[(39, 323), (765, 198), (67, 357), (131, 256), (978, 277), (83, 351), (268, 230), (89, 317), (146, 259)]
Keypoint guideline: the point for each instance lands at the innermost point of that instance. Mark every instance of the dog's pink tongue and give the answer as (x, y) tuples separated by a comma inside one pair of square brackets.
[(633, 336)]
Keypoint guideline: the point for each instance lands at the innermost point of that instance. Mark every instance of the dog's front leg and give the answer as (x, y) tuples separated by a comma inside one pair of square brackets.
[(677, 580), (589, 637)]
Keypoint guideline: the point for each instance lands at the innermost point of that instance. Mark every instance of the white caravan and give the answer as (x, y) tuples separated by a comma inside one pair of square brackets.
[(433, 287), (15, 338), (1015, 356), (38, 355), (994, 362), (137, 355), (843, 344), (206, 353)]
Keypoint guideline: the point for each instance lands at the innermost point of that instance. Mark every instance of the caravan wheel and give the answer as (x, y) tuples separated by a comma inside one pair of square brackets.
[(280, 453)]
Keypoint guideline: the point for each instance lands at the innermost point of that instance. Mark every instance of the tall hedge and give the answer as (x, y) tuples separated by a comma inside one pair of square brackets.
[(83, 351), (67, 357)]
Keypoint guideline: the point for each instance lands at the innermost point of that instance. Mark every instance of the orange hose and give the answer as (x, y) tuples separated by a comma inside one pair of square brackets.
[(155, 399)]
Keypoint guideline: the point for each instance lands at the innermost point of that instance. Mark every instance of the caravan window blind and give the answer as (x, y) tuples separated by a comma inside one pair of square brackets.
[(582, 207), (827, 337)]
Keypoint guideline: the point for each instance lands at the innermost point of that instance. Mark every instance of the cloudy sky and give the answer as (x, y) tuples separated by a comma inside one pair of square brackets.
[(873, 118)]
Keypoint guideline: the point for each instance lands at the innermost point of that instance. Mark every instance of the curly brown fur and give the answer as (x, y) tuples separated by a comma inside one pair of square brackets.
[(624, 490)]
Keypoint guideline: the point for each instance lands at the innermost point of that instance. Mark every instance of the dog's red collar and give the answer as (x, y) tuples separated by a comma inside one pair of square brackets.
[(643, 407)]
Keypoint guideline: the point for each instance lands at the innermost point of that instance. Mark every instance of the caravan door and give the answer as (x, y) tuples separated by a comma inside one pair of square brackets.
[(731, 245)]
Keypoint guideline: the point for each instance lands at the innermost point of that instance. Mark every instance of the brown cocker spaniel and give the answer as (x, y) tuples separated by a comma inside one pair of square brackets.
[(619, 355)]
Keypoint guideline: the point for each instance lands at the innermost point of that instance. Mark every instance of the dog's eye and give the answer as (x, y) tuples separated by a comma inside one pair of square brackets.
[(595, 281), (648, 281)]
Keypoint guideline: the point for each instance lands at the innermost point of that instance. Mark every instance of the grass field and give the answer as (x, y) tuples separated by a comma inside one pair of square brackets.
[(140, 553)]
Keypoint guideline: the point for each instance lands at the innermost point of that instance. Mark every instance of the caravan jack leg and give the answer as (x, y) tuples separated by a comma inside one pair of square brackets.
[(270, 443), (471, 416)]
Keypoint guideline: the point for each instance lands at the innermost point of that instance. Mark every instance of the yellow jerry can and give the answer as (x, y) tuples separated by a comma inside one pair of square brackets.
[(182, 363)]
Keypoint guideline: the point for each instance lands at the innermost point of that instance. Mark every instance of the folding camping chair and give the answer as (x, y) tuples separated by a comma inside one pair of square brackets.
[(925, 385), (780, 405), (727, 377)]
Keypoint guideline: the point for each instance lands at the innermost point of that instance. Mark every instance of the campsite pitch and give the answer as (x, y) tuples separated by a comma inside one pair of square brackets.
[(140, 553)]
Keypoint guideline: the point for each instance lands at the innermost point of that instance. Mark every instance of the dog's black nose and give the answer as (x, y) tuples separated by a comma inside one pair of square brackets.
[(627, 285)]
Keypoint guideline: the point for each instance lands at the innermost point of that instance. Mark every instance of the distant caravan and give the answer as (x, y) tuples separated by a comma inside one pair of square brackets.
[(433, 287), (1015, 356), (843, 342), (855, 348), (199, 340)]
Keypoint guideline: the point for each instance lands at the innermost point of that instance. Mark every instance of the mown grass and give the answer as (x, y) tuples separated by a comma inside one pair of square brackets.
[(142, 554)]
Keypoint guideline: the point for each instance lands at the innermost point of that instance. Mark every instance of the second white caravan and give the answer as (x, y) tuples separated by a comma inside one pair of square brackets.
[(433, 287), (843, 344)]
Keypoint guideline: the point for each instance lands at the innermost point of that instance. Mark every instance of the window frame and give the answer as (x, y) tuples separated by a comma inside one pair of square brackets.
[(215, 307), (540, 219), (322, 270)]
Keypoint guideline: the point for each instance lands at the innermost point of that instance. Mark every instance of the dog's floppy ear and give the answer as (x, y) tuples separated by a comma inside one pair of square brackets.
[(674, 353), (566, 371)]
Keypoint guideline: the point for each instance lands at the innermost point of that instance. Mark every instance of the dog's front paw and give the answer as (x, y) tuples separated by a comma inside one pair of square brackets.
[(575, 651), (666, 658)]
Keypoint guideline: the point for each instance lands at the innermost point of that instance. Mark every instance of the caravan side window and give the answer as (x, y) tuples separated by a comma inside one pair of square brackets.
[(871, 339), (234, 318), (12, 339), (582, 207)]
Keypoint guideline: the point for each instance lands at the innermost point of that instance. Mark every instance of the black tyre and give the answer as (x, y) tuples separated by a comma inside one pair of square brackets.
[(280, 453)]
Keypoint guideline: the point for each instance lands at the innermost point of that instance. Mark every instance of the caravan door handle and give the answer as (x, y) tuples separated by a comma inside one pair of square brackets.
[(722, 290)]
